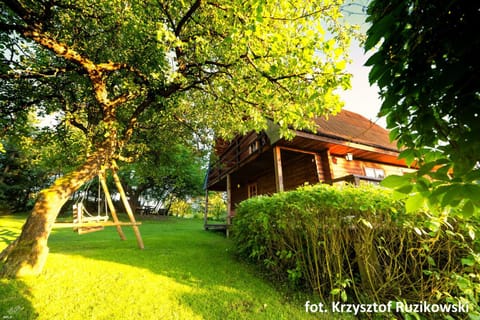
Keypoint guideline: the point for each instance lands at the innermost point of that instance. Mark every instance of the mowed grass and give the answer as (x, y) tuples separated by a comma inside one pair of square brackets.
[(183, 273)]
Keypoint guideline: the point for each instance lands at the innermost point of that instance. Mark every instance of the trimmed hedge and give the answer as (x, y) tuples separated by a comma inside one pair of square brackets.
[(353, 244)]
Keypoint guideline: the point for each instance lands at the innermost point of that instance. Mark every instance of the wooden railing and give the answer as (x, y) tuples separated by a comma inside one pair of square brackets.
[(238, 152), (356, 180)]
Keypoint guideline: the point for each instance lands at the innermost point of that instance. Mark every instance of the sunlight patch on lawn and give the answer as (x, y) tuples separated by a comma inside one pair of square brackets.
[(92, 289)]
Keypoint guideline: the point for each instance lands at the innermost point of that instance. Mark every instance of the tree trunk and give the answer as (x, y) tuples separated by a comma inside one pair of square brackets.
[(27, 254)]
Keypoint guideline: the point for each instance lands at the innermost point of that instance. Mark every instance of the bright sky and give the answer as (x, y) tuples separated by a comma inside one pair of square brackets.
[(362, 98)]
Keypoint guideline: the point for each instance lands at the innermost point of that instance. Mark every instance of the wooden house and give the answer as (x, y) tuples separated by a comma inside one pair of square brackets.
[(346, 147)]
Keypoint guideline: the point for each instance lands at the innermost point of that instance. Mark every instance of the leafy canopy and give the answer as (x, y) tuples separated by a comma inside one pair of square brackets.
[(132, 72), (427, 70), (228, 65)]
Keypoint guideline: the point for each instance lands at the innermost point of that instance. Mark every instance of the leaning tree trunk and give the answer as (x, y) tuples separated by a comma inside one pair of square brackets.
[(27, 254)]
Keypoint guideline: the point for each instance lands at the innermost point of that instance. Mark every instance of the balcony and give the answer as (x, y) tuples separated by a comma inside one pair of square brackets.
[(356, 180)]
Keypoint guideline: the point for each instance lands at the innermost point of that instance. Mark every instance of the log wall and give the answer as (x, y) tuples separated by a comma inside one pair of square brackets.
[(341, 167)]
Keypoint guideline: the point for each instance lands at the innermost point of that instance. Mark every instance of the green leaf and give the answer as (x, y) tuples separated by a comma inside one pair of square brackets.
[(471, 191), (375, 59), (468, 209), (375, 73), (399, 195), (468, 262), (414, 203), (335, 291), (395, 181), (406, 189), (409, 155), (377, 31), (393, 135), (426, 168)]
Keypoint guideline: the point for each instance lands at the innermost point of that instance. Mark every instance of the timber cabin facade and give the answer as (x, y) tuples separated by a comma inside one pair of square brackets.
[(346, 147)]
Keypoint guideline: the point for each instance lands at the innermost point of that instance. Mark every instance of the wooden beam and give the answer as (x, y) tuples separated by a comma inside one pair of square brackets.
[(277, 162), (93, 224), (297, 150), (113, 212), (128, 208), (318, 167), (229, 202), (327, 166), (205, 213), (229, 197), (355, 145)]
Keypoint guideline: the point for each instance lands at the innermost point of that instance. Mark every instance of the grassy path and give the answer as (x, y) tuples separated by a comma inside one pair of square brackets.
[(183, 273)]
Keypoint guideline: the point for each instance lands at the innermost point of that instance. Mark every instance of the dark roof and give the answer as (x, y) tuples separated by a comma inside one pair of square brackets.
[(352, 127)]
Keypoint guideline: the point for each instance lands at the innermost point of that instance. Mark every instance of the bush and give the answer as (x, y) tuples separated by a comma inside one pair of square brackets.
[(217, 207), (356, 244)]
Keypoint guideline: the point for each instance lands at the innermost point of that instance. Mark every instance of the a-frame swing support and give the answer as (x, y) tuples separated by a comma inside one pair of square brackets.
[(116, 222), (126, 205)]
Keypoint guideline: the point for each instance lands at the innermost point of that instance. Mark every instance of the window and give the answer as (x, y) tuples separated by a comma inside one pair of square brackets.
[(254, 146), (374, 173), (252, 190)]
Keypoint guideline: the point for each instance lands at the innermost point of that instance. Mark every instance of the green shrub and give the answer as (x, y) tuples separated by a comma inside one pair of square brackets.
[(356, 244), (217, 207)]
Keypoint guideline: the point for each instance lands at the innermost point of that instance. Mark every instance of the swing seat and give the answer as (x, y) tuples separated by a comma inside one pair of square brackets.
[(86, 219), (81, 220), (83, 229)]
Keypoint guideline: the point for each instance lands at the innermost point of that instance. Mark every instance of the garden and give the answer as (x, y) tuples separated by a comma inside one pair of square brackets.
[(147, 94)]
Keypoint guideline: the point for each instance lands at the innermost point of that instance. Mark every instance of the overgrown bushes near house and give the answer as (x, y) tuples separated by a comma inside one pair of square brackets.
[(357, 244)]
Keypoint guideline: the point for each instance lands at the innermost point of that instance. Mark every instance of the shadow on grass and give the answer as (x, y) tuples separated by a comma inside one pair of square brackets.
[(15, 295), (14, 301), (217, 286), (7, 236)]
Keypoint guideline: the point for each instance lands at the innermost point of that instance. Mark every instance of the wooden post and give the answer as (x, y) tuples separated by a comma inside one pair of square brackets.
[(229, 197), (328, 166), (318, 166), (277, 161), (229, 202), (101, 177), (356, 180), (205, 214), (128, 208)]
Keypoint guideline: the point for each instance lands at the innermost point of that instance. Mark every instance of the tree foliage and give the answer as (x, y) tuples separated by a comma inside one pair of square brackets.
[(161, 174), (428, 73), (32, 157), (230, 64)]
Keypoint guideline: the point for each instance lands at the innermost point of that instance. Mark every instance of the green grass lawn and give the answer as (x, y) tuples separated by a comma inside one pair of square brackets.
[(183, 273)]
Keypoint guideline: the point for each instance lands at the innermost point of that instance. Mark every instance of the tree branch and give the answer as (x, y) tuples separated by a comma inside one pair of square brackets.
[(136, 113), (30, 74), (167, 14), (187, 16), (20, 10), (78, 125)]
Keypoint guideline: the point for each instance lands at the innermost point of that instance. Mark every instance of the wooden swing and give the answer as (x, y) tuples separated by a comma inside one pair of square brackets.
[(85, 222)]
